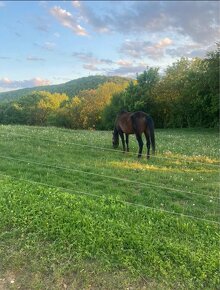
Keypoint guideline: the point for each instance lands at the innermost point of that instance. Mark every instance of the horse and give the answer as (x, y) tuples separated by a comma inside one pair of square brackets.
[(134, 123)]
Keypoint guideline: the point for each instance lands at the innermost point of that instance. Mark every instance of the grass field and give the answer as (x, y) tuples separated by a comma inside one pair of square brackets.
[(75, 214)]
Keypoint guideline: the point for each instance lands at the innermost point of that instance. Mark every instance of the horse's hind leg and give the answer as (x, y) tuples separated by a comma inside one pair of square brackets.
[(122, 139), (140, 143), (127, 141), (148, 144)]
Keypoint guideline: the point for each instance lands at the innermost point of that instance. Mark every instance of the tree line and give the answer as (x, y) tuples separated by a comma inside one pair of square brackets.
[(186, 94)]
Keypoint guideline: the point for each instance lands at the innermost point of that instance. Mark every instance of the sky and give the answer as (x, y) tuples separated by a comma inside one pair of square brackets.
[(52, 42)]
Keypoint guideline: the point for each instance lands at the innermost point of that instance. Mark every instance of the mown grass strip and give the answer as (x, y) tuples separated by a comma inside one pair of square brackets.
[(187, 159), (101, 196), (106, 176)]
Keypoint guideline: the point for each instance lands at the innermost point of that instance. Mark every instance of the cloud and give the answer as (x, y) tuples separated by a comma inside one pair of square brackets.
[(43, 4), (89, 59), (140, 49), (40, 82), (35, 58), (39, 22), (49, 45), (66, 19), (76, 4), (163, 43), (7, 84), (98, 22), (121, 67), (190, 50), (198, 20), (18, 34), (128, 70), (46, 45), (5, 81), (124, 63), (5, 57), (44, 27), (91, 67)]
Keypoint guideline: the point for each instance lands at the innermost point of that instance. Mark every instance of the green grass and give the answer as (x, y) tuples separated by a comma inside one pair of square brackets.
[(52, 238)]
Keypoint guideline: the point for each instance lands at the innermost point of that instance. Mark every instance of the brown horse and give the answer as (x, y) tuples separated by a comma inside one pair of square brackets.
[(134, 123)]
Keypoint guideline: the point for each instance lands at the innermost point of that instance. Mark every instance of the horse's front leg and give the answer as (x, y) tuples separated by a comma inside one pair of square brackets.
[(122, 140), (140, 143), (127, 141)]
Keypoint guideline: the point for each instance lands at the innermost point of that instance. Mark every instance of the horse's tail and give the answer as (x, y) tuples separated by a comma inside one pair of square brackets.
[(150, 125)]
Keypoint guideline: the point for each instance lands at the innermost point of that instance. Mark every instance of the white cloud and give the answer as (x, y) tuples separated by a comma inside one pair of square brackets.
[(76, 4), (140, 49), (124, 63), (66, 19), (7, 84), (5, 81), (163, 43)]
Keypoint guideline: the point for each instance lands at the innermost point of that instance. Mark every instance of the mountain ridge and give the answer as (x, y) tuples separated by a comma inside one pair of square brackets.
[(71, 88)]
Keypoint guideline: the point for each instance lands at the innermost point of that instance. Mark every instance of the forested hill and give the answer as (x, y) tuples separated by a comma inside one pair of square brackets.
[(70, 88)]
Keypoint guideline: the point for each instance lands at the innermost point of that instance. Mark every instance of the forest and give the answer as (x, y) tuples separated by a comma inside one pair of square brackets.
[(186, 94)]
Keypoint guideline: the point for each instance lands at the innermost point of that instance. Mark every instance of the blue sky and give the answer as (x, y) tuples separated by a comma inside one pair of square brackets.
[(51, 42)]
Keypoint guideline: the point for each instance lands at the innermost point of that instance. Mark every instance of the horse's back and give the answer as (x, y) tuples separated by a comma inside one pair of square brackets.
[(132, 122)]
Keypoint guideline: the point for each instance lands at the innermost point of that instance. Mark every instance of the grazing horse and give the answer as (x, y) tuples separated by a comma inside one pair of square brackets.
[(134, 123)]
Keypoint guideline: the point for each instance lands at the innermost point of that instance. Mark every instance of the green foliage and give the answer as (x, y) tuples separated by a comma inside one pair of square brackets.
[(33, 109), (186, 95), (111, 110)]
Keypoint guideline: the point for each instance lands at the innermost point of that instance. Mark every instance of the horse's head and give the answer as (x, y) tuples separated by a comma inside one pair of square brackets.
[(115, 139)]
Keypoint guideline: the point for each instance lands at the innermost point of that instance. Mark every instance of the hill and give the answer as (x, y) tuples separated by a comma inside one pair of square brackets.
[(70, 88)]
